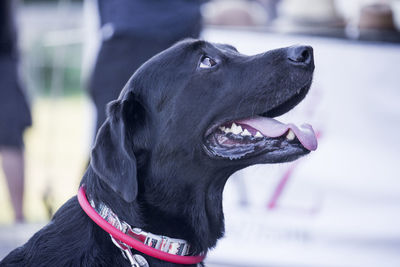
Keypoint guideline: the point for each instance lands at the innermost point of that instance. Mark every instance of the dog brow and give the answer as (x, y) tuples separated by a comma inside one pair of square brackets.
[(197, 44)]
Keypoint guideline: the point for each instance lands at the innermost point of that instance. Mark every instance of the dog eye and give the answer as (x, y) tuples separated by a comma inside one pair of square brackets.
[(207, 62)]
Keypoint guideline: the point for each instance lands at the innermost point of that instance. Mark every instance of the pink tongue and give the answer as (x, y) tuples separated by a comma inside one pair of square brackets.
[(273, 128)]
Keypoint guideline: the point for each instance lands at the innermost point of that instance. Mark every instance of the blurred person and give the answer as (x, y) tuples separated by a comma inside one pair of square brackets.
[(131, 32), (15, 115)]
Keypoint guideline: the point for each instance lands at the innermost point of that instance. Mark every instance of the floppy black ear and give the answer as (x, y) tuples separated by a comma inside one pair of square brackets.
[(112, 157)]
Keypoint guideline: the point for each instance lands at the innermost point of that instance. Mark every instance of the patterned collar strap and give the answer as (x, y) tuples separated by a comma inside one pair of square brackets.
[(167, 244), (126, 238)]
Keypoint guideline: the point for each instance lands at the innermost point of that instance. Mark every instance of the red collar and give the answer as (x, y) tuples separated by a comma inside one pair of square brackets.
[(136, 239)]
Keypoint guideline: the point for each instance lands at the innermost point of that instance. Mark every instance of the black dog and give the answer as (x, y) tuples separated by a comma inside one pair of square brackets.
[(187, 119)]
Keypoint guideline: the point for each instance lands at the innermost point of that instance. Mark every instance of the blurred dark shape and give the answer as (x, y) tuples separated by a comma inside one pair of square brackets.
[(15, 115), (7, 30), (377, 17), (132, 31)]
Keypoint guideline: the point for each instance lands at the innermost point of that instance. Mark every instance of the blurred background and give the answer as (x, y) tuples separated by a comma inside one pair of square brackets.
[(339, 206)]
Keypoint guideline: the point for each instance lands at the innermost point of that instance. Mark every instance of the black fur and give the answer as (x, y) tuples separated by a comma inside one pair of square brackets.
[(149, 163)]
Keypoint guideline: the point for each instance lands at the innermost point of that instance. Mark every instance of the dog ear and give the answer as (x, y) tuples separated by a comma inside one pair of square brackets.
[(112, 156)]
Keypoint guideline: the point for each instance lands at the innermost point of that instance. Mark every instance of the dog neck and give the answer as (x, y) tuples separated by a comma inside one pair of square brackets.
[(125, 237), (194, 214)]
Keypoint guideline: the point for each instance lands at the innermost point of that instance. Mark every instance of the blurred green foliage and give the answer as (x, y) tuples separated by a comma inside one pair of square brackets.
[(54, 70)]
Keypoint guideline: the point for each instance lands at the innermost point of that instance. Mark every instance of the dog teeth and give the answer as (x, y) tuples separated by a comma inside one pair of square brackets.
[(227, 130), (258, 134), (290, 135), (236, 129), (245, 133)]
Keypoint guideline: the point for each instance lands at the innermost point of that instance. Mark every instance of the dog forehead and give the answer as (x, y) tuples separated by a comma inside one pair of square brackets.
[(226, 48), (194, 45), (188, 51)]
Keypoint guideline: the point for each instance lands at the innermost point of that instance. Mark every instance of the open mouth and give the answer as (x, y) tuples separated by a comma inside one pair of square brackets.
[(244, 138)]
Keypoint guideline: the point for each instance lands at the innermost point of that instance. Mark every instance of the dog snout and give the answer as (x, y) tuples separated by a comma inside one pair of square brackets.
[(301, 55)]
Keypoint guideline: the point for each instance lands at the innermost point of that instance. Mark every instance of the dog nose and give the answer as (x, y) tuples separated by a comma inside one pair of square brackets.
[(300, 55)]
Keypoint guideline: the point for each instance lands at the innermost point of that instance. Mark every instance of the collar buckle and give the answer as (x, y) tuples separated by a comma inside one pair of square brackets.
[(135, 260)]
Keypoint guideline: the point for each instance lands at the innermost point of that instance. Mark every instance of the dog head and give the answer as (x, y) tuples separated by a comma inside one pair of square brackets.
[(202, 108)]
